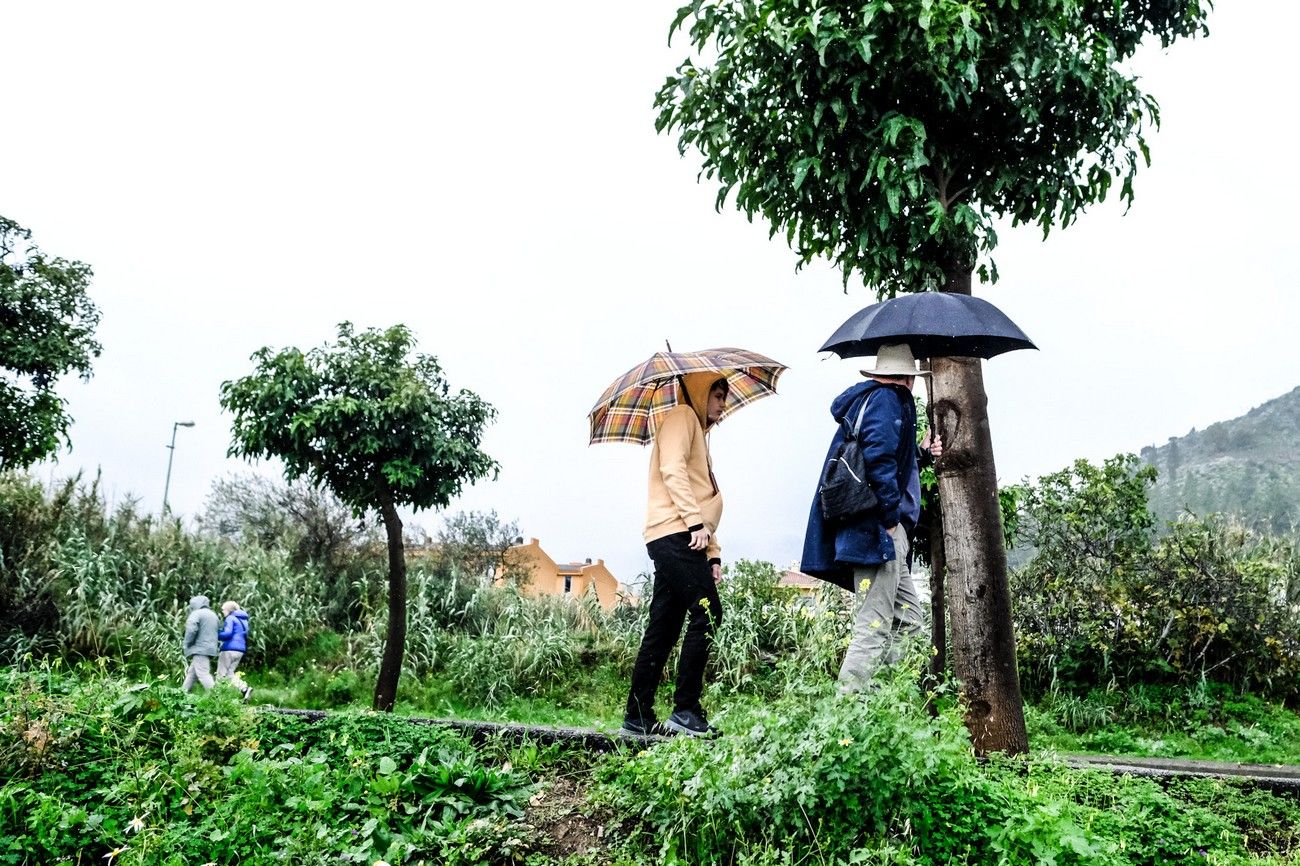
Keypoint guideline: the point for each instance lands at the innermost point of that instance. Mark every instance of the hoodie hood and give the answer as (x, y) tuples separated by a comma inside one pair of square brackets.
[(198, 602), (698, 386), (241, 615), (846, 404)]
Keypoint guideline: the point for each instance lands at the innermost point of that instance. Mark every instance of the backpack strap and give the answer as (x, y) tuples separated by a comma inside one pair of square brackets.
[(857, 425)]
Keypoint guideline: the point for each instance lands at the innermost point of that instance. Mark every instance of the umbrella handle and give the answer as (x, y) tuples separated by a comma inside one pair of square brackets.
[(929, 406)]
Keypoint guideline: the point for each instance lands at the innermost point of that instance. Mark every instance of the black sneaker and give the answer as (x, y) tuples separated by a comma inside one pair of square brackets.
[(641, 727), (690, 723)]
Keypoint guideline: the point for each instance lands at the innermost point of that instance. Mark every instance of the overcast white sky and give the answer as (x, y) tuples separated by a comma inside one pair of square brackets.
[(249, 174)]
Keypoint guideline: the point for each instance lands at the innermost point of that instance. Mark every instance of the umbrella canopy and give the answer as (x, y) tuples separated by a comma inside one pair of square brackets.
[(625, 412), (933, 324)]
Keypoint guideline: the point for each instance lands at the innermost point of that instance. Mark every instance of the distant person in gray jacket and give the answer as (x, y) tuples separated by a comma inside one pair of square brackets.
[(200, 644)]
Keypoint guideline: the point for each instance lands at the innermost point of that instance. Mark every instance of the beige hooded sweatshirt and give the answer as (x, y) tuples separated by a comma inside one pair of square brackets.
[(683, 491)]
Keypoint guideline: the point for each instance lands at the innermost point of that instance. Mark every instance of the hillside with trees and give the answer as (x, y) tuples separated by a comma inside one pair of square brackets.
[(1246, 466)]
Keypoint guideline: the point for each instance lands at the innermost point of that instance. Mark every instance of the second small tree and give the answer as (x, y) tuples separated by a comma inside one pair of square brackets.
[(374, 422)]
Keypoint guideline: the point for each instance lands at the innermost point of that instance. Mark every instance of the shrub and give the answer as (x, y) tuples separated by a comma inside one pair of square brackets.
[(878, 779), (141, 774), (77, 582), (1104, 600)]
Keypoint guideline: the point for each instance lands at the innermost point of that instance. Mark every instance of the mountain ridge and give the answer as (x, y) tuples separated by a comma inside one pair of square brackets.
[(1248, 466)]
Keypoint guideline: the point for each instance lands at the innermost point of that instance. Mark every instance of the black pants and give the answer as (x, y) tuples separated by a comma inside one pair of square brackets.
[(683, 589)]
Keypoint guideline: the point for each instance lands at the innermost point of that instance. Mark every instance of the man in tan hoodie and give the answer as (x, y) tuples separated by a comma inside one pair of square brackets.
[(680, 533)]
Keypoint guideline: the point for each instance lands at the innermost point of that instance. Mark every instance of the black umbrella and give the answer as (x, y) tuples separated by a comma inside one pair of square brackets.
[(933, 324)]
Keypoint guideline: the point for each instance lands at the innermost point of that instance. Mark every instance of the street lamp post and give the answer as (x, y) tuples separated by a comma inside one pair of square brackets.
[(171, 452)]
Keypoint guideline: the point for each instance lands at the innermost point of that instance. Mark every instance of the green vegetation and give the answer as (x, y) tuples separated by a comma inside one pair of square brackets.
[(1207, 721), (375, 423), (47, 330), (814, 778), (138, 774), (96, 769), (1105, 601), (1244, 466), (802, 777)]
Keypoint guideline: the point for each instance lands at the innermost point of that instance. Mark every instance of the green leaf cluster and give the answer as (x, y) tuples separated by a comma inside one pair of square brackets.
[(848, 780), (365, 417), (888, 135), (1103, 599), (47, 330), (94, 768)]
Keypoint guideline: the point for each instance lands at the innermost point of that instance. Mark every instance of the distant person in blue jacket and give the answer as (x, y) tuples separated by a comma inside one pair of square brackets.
[(234, 643), (868, 554)]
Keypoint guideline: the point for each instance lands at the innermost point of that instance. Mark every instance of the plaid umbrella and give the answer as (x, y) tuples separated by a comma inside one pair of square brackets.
[(626, 411)]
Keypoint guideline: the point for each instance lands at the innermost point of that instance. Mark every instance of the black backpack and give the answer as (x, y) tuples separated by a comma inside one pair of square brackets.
[(844, 491)]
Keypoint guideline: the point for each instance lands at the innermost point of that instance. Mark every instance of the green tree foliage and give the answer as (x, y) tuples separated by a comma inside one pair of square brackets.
[(888, 136), (376, 424), (47, 328), (1105, 600), (1092, 517)]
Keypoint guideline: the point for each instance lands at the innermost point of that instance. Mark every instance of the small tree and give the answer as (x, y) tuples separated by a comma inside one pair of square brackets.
[(47, 328), (314, 526), (477, 543), (888, 136), (374, 424)]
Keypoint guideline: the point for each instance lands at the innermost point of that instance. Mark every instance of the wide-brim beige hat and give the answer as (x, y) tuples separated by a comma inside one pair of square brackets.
[(895, 360)]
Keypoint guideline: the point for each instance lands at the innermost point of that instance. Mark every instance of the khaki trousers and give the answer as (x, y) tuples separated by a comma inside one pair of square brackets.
[(200, 669), (227, 662), (887, 614)]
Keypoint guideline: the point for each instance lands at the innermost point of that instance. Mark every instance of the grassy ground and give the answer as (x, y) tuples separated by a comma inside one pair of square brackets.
[(1208, 723), (91, 764)]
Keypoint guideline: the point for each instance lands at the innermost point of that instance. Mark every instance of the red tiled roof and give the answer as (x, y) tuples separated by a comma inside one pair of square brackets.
[(798, 578)]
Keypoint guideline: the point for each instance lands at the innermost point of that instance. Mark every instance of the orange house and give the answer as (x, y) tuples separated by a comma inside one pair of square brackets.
[(539, 574)]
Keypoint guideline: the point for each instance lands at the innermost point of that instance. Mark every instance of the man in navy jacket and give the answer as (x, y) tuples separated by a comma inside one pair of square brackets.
[(868, 554)]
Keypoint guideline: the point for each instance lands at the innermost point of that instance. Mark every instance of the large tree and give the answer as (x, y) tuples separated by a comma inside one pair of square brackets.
[(376, 424), (889, 136), (47, 330)]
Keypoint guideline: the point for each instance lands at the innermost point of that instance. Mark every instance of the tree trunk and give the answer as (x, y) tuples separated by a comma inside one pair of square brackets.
[(938, 604), (390, 666), (933, 675), (983, 645)]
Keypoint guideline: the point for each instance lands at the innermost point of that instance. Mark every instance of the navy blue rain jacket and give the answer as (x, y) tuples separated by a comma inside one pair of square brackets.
[(888, 435), (234, 632)]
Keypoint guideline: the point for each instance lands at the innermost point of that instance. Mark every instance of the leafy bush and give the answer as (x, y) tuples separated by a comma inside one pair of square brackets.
[(81, 583), (817, 778), (1104, 600), (144, 775)]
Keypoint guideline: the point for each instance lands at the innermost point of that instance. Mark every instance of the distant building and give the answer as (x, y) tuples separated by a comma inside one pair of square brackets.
[(538, 574), (805, 584)]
